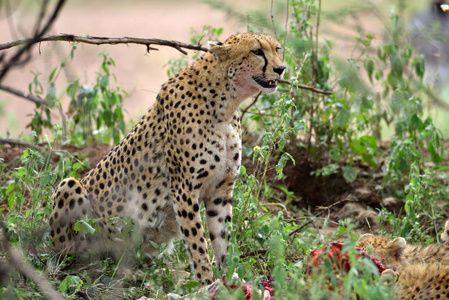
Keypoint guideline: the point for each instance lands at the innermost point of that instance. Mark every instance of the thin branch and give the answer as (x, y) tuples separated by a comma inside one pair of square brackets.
[(272, 21), (40, 18), (17, 143), (15, 259), (96, 40), (16, 59), (306, 87), (9, 18), (254, 253), (249, 106), (350, 198), (300, 86), (33, 98), (287, 15)]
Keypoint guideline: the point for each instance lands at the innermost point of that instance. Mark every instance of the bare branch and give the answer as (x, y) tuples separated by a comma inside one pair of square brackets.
[(15, 258), (33, 98), (96, 40), (350, 198), (249, 106), (301, 86), (18, 59), (307, 87), (40, 18), (17, 143), (254, 253)]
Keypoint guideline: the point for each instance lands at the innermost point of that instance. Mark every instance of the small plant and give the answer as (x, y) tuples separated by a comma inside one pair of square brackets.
[(27, 196), (95, 112)]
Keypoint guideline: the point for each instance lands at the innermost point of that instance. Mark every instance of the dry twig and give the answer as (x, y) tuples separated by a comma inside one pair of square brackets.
[(254, 253), (17, 143), (323, 209), (15, 259), (23, 55), (33, 98), (307, 87), (96, 40)]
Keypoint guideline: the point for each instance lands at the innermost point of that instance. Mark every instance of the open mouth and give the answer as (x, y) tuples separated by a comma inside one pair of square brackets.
[(268, 84)]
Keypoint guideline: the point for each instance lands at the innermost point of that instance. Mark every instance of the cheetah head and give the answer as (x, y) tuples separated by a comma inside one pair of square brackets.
[(388, 251), (252, 61)]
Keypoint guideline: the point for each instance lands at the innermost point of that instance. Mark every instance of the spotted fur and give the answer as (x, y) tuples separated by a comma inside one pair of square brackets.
[(445, 233), (186, 150), (422, 270)]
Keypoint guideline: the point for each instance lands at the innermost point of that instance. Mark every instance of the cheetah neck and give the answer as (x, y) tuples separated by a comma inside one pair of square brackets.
[(223, 93)]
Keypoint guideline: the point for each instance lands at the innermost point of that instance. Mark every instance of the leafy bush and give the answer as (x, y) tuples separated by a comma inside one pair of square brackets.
[(96, 112)]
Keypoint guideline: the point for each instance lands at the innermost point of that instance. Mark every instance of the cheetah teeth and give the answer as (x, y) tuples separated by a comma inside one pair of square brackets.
[(266, 84)]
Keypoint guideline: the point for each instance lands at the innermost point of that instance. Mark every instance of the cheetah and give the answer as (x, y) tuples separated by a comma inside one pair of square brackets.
[(423, 281), (396, 253), (390, 252), (422, 271), (186, 150)]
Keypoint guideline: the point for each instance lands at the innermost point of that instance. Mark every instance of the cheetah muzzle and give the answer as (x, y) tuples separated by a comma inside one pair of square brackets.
[(186, 150)]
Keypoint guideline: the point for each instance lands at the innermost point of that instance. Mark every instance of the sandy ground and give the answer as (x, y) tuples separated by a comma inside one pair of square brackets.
[(139, 73)]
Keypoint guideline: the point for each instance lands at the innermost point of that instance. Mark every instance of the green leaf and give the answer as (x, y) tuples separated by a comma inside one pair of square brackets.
[(419, 66), (369, 141), (349, 173), (71, 282), (21, 172), (358, 147), (342, 118), (52, 74), (83, 226), (51, 92), (282, 163), (299, 125), (369, 66), (335, 154), (436, 157), (416, 123), (104, 81), (369, 159)]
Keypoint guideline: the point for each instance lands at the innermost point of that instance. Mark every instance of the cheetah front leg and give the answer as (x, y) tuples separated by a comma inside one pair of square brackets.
[(218, 214), (187, 209)]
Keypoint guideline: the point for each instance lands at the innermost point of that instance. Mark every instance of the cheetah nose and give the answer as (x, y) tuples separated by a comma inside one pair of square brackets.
[(279, 70)]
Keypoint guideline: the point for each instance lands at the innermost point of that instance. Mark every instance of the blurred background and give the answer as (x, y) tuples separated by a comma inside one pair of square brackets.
[(141, 73)]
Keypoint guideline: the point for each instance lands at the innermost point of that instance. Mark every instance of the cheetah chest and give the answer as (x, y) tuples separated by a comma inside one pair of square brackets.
[(225, 153)]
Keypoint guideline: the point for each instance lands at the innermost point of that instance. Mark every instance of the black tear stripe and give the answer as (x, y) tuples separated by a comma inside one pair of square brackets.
[(264, 58)]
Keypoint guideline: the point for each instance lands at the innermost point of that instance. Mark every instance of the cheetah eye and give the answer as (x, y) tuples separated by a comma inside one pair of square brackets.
[(258, 52), (278, 49)]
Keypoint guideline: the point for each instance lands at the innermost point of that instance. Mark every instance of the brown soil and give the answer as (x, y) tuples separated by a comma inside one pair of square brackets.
[(93, 153)]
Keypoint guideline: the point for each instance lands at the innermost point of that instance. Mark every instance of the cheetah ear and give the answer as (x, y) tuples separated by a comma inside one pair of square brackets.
[(219, 49), (389, 274), (397, 246), (365, 236)]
